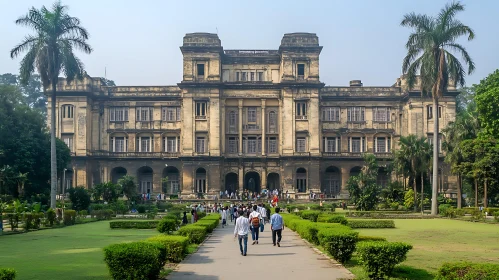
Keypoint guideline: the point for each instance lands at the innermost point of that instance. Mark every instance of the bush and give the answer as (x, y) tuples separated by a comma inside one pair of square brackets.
[(379, 258), (316, 207), (195, 233), (176, 246), (69, 217), (362, 238), (136, 260), (14, 219), (167, 225), (311, 215), (141, 209), (354, 223), (32, 220), (339, 242), (339, 219), (201, 214), (176, 215), (80, 198), (210, 225), (7, 274), (446, 210), (51, 216), (133, 224), (468, 271), (104, 214), (309, 230)]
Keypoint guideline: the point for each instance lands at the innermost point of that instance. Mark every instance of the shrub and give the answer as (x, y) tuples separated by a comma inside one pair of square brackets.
[(136, 260), (51, 216), (83, 213), (69, 217), (104, 214), (133, 224), (468, 271), (14, 220), (167, 225), (309, 230), (141, 209), (176, 246), (209, 224), (28, 221), (311, 215), (195, 233), (496, 216), (339, 242), (201, 214), (176, 215), (370, 238), (354, 223), (379, 258), (7, 274), (80, 198), (316, 207), (444, 209), (339, 219)]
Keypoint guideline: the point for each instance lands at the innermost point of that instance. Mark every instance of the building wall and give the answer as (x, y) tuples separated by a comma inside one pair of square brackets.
[(165, 126)]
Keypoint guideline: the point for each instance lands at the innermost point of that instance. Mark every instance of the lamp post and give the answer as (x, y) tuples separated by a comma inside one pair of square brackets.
[(63, 182)]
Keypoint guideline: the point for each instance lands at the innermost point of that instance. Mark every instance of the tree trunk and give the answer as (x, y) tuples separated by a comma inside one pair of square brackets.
[(53, 155), (434, 187), (459, 191), (476, 193), (485, 194), (415, 194), (422, 193)]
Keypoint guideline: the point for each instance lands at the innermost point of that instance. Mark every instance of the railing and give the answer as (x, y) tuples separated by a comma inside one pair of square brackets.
[(133, 154), (251, 52), (355, 155), (251, 127), (301, 117)]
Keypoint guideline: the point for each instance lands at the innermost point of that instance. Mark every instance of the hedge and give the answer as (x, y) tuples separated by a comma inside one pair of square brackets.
[(133, 224), (176, 246), (167, 225), (105, 214), (468, 271), (210, 225), (194, 232), (7, 274), (354, 223), (136, 260), (339, 219), (212, 217), (379, 258), (69, 217), (362, 238), (309, 230), (339, 242), (32, 220), (311, 215)]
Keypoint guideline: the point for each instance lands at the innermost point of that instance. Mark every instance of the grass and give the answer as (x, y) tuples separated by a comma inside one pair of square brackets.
[(436, 241), (73, 252)]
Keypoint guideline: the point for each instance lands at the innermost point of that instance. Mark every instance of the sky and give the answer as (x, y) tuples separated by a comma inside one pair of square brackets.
[(137, 42)]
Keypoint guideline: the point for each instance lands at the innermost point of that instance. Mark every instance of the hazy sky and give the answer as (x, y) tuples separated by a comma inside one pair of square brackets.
[(138, 41)]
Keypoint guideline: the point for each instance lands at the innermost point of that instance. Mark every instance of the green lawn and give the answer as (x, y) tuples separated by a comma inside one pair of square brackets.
[(73, 252), (437, 241)]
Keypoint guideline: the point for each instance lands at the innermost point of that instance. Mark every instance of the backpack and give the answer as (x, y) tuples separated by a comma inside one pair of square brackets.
[(255, 222)]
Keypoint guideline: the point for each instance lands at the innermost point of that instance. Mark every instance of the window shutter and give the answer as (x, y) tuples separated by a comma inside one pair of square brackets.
[(388, 144), (259, 145), (338, 144), (362, 117), (337, 114)]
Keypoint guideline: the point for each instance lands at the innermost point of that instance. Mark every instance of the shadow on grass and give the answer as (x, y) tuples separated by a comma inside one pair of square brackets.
[(408, 272)]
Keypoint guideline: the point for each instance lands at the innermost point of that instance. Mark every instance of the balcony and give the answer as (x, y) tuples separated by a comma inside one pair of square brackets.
[(355, 155), (133, 154)]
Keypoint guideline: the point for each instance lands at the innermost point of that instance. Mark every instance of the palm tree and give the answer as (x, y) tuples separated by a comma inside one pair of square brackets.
[(429, 52), (50, 52)]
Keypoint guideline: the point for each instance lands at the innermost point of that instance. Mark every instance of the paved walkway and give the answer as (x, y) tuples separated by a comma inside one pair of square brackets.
[(219, 259)]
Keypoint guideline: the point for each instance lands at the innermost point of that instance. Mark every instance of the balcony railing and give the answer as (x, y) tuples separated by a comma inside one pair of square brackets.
[(133, 154), (355, 155)]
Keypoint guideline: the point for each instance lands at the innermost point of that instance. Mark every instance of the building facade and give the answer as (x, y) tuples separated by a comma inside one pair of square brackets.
[(240, 119)]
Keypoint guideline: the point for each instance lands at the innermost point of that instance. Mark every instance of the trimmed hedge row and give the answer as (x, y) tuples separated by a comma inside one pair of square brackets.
[(194, 232), (7, 274), (311, 215), (128, 224), (362, 238), (468, 271), (379, 257), (354, 223), (69, 217), (168, 225), (176, 246), (328, 218), (339, 242)]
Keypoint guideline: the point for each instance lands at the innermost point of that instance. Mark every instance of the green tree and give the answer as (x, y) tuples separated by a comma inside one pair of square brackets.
[(430, 50), (51, 51), (128, 187), (487, 103), (80, 198), (363, 190), (108, 191), (32, 91)]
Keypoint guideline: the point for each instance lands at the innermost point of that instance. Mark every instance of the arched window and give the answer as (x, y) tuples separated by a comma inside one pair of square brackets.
[(272, 122)]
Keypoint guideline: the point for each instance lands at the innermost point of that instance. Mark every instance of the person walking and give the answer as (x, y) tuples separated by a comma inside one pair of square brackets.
[(241, 232), (224, 216), (254, 218), (277, 226)]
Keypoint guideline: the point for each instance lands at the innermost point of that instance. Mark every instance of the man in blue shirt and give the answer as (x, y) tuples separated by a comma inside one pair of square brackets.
[(277, 226)]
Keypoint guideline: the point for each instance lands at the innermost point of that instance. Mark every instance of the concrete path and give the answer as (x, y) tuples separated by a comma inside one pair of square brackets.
[(219, 259)]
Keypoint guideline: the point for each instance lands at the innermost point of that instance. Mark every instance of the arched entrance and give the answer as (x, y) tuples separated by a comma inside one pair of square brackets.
[(332, 181), (231, 182), (200, 180), (273, 182), (117, 173), (252, 182), (170, 180), (355, 171), (144, 174), (301, 180)]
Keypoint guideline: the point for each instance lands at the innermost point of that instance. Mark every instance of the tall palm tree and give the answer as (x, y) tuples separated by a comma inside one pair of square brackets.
[(50, 51), (429, 52)]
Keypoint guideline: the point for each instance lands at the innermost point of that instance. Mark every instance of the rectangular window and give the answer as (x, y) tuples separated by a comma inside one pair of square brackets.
[(301, 70), (429, 110), (170, 144), (430, 141), (260, 76), (201, 110), (67, 111), (252, 114), (238, 76), (145, 144), (355, 114), (144, 114), (200, 145), (68, 140), (244, 76), (356, 145), (232, 145), (301, 110), (380, 145), (118, 114), (331, 144), (272, 145), (200, 68), (331, 114), (119, 144), (252, 145), (381, 114), (170, 114), (301, 144), (252, 76)]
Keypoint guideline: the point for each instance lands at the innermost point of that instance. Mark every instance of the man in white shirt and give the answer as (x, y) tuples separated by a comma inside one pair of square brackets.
[(224, 216), (254, 219), (241, 232), (263, 212)]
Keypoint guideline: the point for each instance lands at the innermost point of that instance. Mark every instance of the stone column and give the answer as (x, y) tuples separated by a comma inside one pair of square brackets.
[(263, 128), (241, 180), (240, 119), (345, 175), (264, 179)]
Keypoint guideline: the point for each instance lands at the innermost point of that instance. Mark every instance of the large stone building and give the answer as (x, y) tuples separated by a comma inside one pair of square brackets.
[(240, 119)]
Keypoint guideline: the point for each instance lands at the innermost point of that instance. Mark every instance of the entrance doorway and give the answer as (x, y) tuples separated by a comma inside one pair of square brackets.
[(231, 182), (273, 182), (252, 182)]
